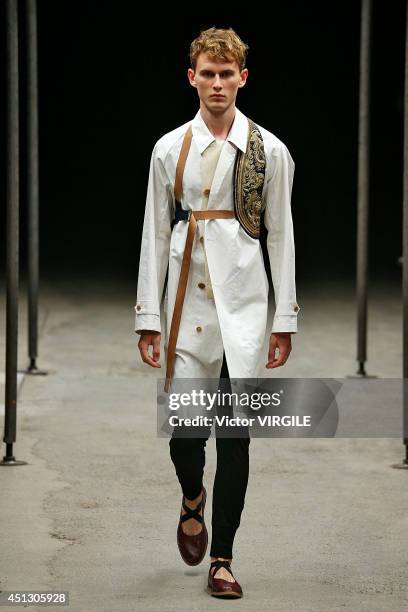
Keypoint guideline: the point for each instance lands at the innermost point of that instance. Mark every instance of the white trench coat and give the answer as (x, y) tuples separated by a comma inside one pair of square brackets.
[(235, 319)]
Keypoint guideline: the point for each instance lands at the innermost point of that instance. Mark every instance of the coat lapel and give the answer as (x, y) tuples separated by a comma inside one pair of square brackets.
[(225, 162), (237, 138)]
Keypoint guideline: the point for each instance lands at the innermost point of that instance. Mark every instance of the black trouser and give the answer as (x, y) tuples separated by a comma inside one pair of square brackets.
[(231, 478)]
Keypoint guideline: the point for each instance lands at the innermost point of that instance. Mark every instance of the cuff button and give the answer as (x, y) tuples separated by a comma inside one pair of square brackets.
[(138, 307), (296, 308)]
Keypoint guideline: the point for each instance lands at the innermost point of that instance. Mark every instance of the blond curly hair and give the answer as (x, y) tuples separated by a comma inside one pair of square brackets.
[(219, 44)]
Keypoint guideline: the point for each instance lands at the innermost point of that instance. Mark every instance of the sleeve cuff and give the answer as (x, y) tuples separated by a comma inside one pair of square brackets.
[(284, 323), (147, 321)]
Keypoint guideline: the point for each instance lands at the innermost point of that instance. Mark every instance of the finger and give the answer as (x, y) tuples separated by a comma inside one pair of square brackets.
[(143, 347), (156, 350), (281, 359), (272, 361), (276, 362), (272, 348)]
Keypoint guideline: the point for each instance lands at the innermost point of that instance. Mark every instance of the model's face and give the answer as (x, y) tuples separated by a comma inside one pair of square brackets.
[(217, 82)]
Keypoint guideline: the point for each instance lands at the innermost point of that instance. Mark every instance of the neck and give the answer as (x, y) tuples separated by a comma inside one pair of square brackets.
[(219, 124)]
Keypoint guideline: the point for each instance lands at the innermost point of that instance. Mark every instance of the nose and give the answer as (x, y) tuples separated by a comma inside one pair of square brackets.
[(217, 82)]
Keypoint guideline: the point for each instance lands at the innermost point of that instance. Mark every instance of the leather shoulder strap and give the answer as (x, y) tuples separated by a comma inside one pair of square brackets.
[(185, 147)]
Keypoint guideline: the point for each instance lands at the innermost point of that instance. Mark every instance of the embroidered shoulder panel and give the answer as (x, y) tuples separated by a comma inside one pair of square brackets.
[(249, 176)]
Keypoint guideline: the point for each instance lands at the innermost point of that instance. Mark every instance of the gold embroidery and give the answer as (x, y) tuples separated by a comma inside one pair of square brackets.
[(249, 175)]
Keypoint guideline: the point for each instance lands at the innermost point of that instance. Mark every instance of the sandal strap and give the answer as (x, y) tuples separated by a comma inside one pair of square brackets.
[(219, 563), (192, 513)]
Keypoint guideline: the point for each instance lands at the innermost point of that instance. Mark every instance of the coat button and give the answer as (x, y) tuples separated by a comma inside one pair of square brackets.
[(201, 285), (206, 192), (138, 307), (199, 328), (201, 239), (296, 308)]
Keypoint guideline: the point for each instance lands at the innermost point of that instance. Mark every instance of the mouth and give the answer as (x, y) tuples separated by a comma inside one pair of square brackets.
[(217, 97)]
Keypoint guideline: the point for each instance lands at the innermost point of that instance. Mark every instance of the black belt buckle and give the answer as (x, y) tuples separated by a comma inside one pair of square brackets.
[(181, 214)]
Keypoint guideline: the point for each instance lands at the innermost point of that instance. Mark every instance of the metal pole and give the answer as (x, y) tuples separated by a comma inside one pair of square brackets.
[(32, 186), (32, 181), (404, 462), (405, 257), (363, 186), (12, 233)]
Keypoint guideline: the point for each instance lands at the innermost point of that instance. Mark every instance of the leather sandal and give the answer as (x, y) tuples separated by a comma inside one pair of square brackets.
[(218, 587), (193, 547)]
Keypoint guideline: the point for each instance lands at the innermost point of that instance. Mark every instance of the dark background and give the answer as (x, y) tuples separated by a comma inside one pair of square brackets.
[(113, 80)]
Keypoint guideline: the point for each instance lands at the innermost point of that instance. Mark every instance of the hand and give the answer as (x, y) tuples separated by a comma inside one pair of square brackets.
[(147, 338), (283, 341)]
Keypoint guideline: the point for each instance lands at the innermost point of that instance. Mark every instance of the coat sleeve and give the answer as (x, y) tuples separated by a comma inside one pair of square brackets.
[(155, 245), (280, 240)]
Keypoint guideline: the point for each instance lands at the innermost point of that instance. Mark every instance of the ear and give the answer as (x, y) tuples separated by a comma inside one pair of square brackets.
[(243, 77), (191, 77)]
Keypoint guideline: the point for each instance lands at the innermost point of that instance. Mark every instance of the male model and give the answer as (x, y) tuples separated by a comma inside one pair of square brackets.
[(213, 182)]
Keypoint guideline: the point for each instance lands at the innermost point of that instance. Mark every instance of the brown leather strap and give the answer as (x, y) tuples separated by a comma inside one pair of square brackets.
[(182, 284), (185, 147)]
